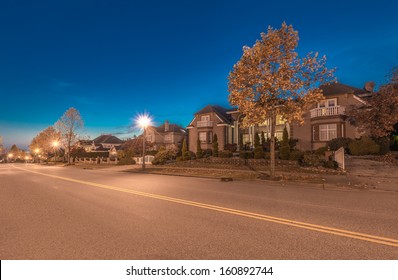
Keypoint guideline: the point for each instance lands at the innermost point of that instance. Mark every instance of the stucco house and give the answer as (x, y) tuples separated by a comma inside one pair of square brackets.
[(324, 121), (327, 119), (210, 120), (167, 135)]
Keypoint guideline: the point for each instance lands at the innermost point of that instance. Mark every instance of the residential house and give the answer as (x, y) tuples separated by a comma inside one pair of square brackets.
[(167, 135), (105, 142), (211, 120), (324, 121), (327, 119), (87, 145)]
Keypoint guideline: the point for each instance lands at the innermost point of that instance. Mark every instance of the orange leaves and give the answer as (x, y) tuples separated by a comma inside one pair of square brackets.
[(271, 77)]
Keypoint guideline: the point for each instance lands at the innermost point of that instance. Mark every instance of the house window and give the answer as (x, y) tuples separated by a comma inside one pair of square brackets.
[(205, 118), (327, 132), (167, 137), (202, 137), (328, 103)]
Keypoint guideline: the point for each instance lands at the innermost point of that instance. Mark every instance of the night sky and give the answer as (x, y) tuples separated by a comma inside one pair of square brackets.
[(114, 59)]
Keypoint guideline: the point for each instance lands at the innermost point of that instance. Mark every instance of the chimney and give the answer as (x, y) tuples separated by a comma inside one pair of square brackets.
[(369, 86), (166, 126)]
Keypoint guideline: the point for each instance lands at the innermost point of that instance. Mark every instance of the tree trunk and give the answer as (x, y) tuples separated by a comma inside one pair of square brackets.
[(272, 148)]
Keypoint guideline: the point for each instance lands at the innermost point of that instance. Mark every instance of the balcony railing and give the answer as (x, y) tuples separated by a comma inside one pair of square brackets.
[(328, 111), (205, 123)]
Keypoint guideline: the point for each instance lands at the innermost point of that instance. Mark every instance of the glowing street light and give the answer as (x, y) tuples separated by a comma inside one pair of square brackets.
[(143, 121), (10, 156), (55, 145), (37, 150)]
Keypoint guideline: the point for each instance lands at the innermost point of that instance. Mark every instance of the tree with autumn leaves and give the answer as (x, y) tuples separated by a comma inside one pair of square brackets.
[(271, 80), (379, 115), (64, 130)]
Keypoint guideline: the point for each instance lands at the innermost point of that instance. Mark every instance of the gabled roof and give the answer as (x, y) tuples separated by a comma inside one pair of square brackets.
[(107, 139), (172, 128), (338, 88), (221, 112)]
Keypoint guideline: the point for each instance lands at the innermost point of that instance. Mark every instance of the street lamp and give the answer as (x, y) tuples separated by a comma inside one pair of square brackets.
[(55, 145), (10, 156), (143, 121), (37, 150)]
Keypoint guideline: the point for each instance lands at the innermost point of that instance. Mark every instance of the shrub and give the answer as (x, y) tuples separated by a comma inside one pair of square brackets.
[(207, 153), (225, 154), (312, 159), (267, 155), (296, 155), (331, 164), (321, 151), (284, 152), (165, 155), (258, 152), (215, 145), (337, 143), (384, 143), (363, 146), (246, 154), (199, 152), (231, 147), (126, 161)]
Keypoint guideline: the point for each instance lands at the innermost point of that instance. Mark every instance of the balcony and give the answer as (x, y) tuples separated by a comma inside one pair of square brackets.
[(327, 111), (205, 123)]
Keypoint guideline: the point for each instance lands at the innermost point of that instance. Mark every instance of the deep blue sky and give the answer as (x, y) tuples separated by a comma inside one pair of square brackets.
[(114, 59)]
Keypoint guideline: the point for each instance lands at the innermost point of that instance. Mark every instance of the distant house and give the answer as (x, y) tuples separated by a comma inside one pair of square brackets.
[(167, 135), (105, 142), (87, 145), (327, 119), (213, 119)]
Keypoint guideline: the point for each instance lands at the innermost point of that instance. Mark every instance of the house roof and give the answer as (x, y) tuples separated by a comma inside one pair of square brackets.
[(338, 88), (107, 139), (172, 128), (220, 111)]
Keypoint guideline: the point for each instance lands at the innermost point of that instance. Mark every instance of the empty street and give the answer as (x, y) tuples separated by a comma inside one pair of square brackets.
[(52, 212)]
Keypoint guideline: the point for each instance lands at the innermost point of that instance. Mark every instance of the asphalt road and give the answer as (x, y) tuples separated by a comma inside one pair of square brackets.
[(67, 213)]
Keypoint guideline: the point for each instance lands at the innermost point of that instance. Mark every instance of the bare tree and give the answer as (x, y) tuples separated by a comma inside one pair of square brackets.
[(67, 126), (271, 80)]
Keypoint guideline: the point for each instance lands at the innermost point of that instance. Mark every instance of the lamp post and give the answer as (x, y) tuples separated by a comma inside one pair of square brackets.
[(10, 156), (37, 150), (143, 121), (55, 145)]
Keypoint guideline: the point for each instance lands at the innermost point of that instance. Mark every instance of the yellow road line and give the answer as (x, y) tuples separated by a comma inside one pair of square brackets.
[(313, 227)]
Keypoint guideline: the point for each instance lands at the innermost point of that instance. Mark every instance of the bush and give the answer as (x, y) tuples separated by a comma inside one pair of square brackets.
[(296, 155), (384, 144), (284, 152), (312, 159), (363, 146), (225, 154), (231, 147), (246, 154), (164, 155), (267, 155), (258, 152), (331, 164), (126, 161), (207, 153), (321, 151), (337, 143)]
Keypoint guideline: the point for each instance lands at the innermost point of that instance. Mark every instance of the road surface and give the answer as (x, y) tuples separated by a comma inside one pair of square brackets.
[(52, 212)]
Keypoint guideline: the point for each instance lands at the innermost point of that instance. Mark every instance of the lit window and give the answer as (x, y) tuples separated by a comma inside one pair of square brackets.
[(202, 137), (327, 132)]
